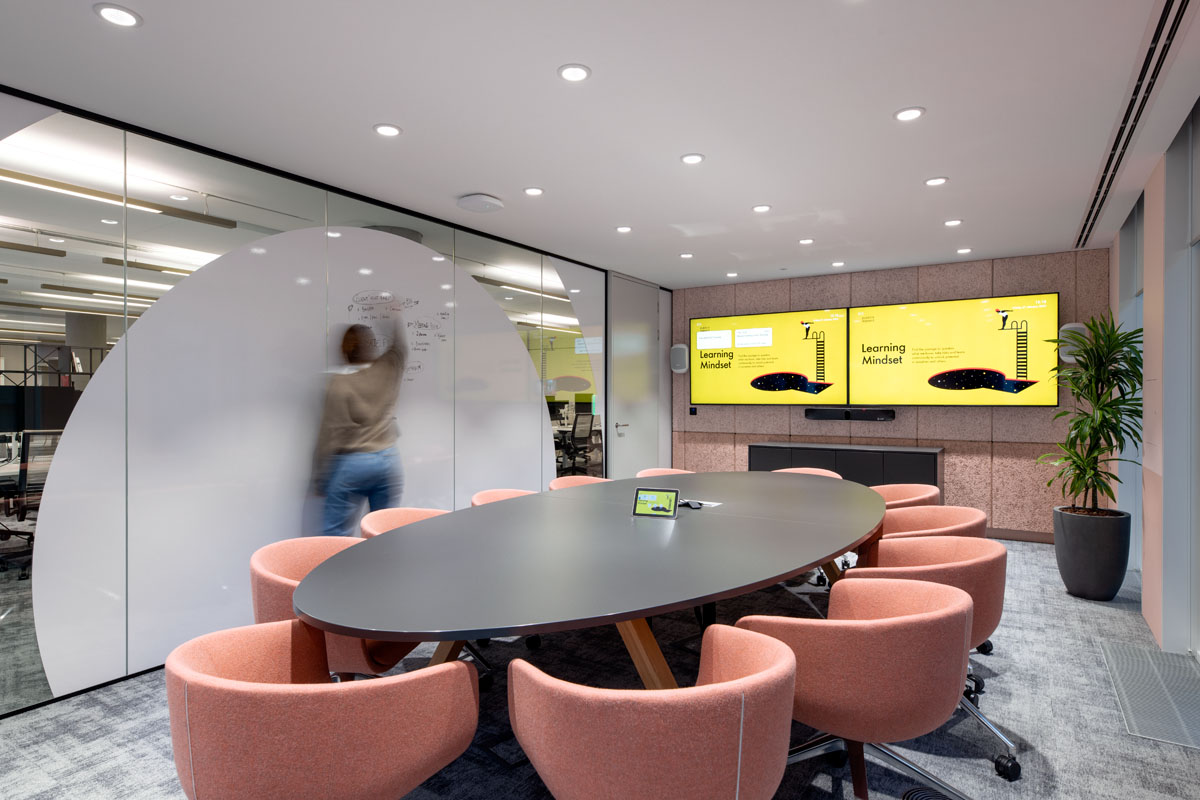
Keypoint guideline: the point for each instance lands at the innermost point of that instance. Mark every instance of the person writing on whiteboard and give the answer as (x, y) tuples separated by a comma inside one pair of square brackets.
[(356, 447)]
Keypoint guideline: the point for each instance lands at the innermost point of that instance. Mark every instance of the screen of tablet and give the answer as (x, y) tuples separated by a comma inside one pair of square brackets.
[(656, 503)]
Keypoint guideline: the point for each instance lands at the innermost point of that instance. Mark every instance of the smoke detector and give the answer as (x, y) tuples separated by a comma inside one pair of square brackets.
[(480, 203)]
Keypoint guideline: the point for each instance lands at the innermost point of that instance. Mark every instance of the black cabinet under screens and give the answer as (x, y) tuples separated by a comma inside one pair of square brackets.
[(866, 464)]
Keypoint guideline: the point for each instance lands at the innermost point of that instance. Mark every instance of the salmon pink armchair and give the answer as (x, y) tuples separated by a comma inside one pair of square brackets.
[(495, 495), (567, 481), (725, 737), (934, 521), (824, 473), (387, 519), (903, 495), (253, 715), (654, 472), (887, 665)]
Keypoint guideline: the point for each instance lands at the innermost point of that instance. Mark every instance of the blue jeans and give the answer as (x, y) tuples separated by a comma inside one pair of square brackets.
[(352, 476)]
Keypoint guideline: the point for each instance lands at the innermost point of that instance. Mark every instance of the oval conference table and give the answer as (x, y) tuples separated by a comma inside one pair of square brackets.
[(575, 558)]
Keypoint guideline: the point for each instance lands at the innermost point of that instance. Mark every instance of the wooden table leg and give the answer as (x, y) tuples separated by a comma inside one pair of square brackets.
[(445, 652), (646, 655), (832, 571)]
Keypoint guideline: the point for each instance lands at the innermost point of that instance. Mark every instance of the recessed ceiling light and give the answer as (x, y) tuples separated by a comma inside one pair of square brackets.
[(508, 298), (55, 239), (952, 223), (692, 158), (623, 229), (450, 304), (447, 286), (117, 15), (333, 234), (839, 263), (258, 251), (935, 181), (439, 258), (574, 72), (909, 114), (303, 281), (364, 271), (962, 251), (806, 241), (179, 197), (387, 129), (533, 191), (110, 222), (685, 255), (761, 209), (730, 274), (573, 291)]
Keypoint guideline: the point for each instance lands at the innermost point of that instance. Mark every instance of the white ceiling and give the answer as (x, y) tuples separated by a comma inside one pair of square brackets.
[(792, 102)]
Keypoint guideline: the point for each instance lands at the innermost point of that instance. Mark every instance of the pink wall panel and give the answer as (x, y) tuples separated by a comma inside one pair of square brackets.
[(820, 291), (1030, 424), (1021, 500), (709, 452), (966, 473), (960, 424), (678, 445), (709, 301), (883, 286), (679, 317), (954, 281), (762, 297), (818, 427), (1091, 284), (1050, 272), (762, 419)]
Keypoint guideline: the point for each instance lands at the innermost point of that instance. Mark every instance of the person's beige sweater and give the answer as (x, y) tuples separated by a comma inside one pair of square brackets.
[(360, 410)]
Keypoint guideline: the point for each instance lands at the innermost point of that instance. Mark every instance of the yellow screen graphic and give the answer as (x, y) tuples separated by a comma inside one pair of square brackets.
[(985, 352), (655, 502), (792, 358)]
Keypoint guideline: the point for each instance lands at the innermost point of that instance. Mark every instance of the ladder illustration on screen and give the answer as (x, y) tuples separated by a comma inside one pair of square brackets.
[(820, 337), (1022, 329)]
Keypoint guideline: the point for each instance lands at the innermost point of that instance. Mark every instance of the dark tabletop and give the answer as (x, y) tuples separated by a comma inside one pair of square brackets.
[(576, 557)]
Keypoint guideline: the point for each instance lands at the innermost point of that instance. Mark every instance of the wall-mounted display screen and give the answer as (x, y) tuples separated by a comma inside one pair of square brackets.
[(981, 352), (790, 358)]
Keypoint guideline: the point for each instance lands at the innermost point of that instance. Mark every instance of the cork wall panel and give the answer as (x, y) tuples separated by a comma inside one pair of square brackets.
[(801, 426), (954, 281), (1091, 284), (1021, 500), (966, 473), (710, 419), (741, 445), (820, 291), (960, 424), (904, 426), (679, 401), (678, 445), (885, 442), (1051, 272), (679, 318), (709, 452), (822, 439), (883, 286), (762, 419), (710, 301), (762, 297)]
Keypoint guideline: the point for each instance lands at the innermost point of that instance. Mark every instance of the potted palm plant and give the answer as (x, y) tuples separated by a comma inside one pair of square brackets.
[(1102, 370)]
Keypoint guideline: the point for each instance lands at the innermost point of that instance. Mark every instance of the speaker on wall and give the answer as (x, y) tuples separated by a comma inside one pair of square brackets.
[(1066, 352), (679, 358)]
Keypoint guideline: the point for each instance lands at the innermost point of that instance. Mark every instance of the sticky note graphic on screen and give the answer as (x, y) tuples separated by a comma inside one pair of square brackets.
[(986, 352), (791, 358)]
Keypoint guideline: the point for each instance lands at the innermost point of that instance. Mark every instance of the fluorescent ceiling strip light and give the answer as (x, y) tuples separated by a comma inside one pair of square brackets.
[(548, 328), (116, 262), (32, 322), (51, 296), (553, 319), (531, 291), (28, 248), (41, 333), (123, 282), (74, 191), (24, 341), (54, 287)]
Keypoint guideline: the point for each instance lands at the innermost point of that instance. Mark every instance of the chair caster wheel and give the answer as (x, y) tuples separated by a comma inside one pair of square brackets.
[(487, 680), (985, 649), (482, 642), (977, 682), (533, 642), (1008, 768), (972, 697), (820, 580)]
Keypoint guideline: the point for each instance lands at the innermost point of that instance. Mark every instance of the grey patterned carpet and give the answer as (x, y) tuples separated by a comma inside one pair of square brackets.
[(1047, 687)]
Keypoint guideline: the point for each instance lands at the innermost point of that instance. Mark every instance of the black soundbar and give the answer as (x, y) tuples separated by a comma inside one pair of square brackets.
[(861, 414)]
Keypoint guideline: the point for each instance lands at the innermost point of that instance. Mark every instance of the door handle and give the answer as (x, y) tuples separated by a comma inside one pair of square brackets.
[(619, 425)]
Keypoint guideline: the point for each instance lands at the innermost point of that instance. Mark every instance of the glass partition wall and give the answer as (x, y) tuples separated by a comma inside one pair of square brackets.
[(168, 322)]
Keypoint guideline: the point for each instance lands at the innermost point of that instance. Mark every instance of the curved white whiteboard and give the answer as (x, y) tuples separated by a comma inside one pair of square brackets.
[(225, 377)]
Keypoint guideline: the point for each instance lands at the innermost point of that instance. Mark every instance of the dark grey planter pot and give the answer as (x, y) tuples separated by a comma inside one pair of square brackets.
[(1092, 553)]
